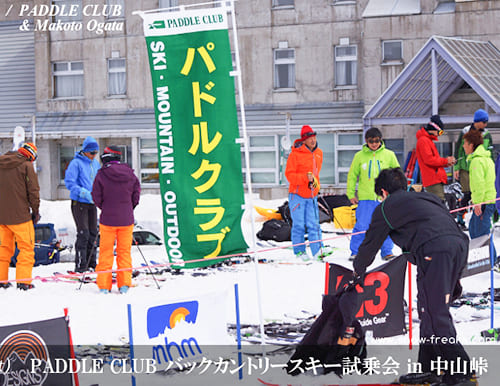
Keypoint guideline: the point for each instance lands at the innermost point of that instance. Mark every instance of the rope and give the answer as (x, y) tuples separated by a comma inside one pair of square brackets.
[(57, 277)]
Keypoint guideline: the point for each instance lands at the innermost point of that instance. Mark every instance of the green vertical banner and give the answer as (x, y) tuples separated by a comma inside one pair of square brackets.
[(199, 160)]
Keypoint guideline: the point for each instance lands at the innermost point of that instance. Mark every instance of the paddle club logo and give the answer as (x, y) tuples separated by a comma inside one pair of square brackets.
[(17, 353)]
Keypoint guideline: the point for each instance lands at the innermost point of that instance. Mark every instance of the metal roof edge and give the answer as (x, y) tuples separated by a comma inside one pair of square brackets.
[(433, 43), (389, 91), (464, 74)]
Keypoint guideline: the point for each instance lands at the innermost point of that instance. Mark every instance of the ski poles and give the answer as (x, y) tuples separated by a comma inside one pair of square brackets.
[(94, 246), (147, 265)]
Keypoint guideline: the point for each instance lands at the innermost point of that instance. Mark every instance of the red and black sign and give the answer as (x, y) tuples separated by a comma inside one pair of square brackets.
[(29, 352), (382, 303)]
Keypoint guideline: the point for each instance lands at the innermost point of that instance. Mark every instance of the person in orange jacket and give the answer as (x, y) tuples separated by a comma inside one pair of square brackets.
[(19, 210), (302, 172)]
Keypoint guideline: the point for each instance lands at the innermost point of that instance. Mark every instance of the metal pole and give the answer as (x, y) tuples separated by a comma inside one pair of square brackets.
[(247, 163), (435, 101), (94, 247), (33, 135), (147, 265)]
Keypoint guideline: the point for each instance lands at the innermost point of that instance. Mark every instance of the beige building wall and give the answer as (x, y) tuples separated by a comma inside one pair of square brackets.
[(313, 28)]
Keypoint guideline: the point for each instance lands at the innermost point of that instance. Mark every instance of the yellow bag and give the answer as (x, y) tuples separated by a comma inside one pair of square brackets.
[(344, 217)]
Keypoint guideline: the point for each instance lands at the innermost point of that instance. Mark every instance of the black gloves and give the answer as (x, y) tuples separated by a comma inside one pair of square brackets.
[(351, 284), (35, 217)]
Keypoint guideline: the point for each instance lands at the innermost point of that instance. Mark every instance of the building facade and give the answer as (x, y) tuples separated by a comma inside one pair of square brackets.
[(317, 62)]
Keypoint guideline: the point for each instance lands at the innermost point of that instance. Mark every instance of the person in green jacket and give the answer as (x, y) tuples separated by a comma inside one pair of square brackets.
[(365, 168), (482, 183), (461, 168)]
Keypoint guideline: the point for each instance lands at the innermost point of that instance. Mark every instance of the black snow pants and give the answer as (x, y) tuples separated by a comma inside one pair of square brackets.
[(440, 263), (85, 216)]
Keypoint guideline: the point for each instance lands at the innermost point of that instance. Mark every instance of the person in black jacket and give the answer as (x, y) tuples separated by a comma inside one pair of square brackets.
[(422, 226)]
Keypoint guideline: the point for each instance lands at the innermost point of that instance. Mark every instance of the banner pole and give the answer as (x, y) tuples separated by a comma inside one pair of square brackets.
[(238, 330), (247, 172), (327, 277), (492, 278), (410, 309), (71, 348), (131, 343)]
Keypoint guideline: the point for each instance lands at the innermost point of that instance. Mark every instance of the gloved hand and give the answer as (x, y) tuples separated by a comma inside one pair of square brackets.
[(314, 183), (85, 194), (35, 217), (351, 284)]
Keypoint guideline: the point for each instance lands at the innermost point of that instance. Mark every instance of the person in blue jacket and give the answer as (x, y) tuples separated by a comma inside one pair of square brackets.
[(79, 179)]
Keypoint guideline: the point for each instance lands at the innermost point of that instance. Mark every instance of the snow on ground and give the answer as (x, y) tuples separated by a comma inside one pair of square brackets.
[(285, 289)]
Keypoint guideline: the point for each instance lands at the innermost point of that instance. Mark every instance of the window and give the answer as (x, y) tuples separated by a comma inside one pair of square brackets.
[(392, 51), (68, 79), (445, 149), (220, 3), (283, 3), (346, 58), (348, 144), (169, 4), (116, 9), (445, 6), (263, 154), (66, 4), (66, 154), (149, 161), (284, 68), (327, 143), (126, 157), (117, 77), (397, 145)]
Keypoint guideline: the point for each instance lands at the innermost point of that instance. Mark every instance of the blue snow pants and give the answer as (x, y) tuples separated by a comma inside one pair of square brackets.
[(364, 213), (305, 217), (479, 226)]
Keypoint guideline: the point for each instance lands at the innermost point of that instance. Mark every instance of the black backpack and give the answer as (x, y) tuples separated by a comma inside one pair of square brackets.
[(284, 210), (321, 341), (276, 230), (325, 214)]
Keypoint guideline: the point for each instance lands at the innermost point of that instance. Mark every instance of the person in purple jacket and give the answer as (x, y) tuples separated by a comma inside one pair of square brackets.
[(116, 191)]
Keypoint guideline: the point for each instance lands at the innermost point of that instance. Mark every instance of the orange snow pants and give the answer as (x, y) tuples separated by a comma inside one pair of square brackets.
[(24, 235), (123, 237)]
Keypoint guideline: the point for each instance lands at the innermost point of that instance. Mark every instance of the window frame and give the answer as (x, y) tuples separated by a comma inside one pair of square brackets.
[(344, 2), (68, 19), (275, 5), (122, 4), (255, 149), (392, 61), (281, 62), (351, 59), (344, 169), (60, 171), (68, 72), (117, 70), (171, 7), (148, 171)]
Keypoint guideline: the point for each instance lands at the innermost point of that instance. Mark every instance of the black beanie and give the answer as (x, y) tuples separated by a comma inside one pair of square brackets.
[(111, 153), (435, 120)]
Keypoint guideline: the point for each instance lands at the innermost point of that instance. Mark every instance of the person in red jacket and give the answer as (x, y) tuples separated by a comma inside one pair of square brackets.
[(430, 162), (302, 172)]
